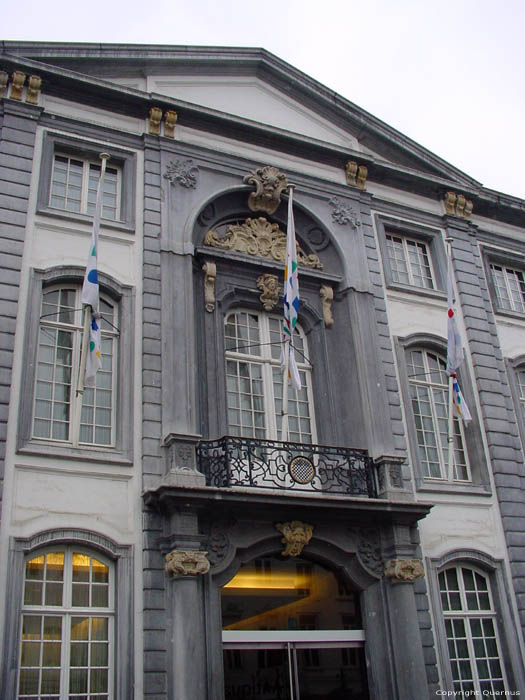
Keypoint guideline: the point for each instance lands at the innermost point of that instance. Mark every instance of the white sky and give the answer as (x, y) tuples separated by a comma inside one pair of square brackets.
[(448, 74)]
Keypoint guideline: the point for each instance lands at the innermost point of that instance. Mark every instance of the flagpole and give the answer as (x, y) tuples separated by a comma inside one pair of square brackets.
[(88, 310), (448, 242)]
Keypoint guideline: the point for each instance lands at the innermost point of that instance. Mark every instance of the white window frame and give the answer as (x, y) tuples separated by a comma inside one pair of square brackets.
[(466, 614), (75, 402), (506, 297), (431, 388), (268, 364), (405, 242), (66, 612), (87, 164)]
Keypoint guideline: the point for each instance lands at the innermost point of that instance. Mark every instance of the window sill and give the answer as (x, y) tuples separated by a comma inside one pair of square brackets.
[(464, 489), (509, 314), (84, 454), (85, 218), (419, 291)]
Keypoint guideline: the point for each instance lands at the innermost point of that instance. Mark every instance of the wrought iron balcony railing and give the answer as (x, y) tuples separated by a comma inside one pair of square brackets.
[(236, 461)]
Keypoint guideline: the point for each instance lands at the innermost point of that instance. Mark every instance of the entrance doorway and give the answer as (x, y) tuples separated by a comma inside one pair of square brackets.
[(292, 631)]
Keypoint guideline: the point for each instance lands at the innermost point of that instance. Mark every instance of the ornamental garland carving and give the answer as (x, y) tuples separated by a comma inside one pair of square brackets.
[(269, 285), (327, 296), (186, 563), (269, 184), (210, 273), (369, 549), (404, 570), (343, 213), (259, 237), (296, 535)]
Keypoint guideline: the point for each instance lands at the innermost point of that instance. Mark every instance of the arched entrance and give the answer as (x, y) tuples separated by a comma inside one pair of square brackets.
[(292, 630)]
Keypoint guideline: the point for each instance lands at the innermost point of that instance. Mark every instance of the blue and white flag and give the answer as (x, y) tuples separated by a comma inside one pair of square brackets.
[(455, 352), (291, 299), (90, 292)]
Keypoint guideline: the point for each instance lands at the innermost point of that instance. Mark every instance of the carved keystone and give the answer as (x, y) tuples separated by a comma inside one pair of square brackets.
[(296, 536), (269, 184), (269, 285), (404, 570), (183, 562)]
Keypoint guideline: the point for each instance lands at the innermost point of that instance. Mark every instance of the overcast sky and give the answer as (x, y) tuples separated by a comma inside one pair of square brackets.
[(448, 74)]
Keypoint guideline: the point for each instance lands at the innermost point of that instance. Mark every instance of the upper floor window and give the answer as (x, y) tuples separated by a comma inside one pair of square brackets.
[(429, 398), (410, 261), (470, 627), (254, 379), (509, 287), (66, 627), (74, 185), (60, 414)]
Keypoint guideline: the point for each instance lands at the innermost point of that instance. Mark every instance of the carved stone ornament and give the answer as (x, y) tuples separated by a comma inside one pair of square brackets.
[(4, 79), (182, 562), (369, 549), (170, 120), (269, 183), (404, 570), (296, 536), (356, 174), (184, 172), (155, 115), (17, 85), (269, 285), (458, 205), (343, 213), (327, 296), (34, 84), (260, 238), (210, 273)]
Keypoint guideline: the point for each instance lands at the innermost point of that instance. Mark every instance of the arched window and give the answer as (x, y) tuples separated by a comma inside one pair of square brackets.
[(254, 379), (66, 648), (59, 414), (470, 624), (429, 399)]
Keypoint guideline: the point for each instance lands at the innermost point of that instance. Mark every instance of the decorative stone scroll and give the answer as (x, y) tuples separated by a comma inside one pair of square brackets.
[(155, 116), (269, 184), (184, 172), (356, 174), (260, 238), (269, 285), (296, 535), (183, 562), (458, 205), (170, 120), (34, 84), (343, 213), (17, 85), (404, 570), (4, 79), (327, 296), (210, 273)]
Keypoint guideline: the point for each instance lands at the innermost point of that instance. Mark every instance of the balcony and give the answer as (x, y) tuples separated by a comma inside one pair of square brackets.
[(237, 461)]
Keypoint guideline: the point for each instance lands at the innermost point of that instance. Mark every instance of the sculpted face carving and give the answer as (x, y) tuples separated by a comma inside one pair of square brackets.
[(296, 535), (269, 183)]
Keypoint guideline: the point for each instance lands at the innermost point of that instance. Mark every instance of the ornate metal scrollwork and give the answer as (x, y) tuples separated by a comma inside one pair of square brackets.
[(269, 183), (259, 237), (296, 536)]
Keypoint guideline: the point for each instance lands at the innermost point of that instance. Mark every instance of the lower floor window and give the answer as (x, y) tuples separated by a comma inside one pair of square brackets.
[(470, 626), (66, 628)]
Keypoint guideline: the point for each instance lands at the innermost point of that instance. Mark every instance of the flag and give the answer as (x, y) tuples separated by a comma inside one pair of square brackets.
[(454, 352), (90, 292), (291, 299)]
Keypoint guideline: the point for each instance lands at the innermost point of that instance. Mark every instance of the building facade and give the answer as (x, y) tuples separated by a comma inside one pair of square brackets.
[(161, 536)]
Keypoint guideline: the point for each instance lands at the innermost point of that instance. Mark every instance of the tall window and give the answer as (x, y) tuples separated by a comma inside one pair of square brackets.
[(470, 625), (67, 627), (520, 375), (509, 285), (429, 396), (409, 261), (59, 414), (255, 380), (74, 185)]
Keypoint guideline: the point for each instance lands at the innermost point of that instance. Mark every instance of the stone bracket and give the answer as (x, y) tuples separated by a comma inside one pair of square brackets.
[(404, 570), (185, 562)]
